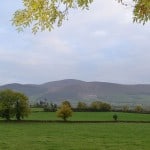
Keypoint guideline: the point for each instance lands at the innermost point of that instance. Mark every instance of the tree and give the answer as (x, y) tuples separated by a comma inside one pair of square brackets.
[(64, 112), (53, 107), (101, 106), (138, 108), (105, 107), (21, 106), (44, 14), (50, 107), (125, 108), (13, 104), (7, 101), (66, 103), (141, 11), (96, 105), (81, 105)]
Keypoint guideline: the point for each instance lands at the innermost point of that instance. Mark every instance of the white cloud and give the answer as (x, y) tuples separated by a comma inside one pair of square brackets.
[(99, 44)]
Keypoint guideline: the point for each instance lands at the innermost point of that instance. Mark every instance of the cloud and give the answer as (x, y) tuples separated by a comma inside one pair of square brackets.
[(99, 44), (100, 33)]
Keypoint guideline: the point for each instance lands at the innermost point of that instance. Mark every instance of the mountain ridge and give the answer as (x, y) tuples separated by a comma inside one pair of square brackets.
[(78, 90)]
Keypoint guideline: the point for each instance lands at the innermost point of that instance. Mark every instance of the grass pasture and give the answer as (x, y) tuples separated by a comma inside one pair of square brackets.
[(77, 136), (55, 136), (91, 116)]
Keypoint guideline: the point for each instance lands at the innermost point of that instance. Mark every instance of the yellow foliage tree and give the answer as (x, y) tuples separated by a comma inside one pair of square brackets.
[(138, 108), (64, 112)]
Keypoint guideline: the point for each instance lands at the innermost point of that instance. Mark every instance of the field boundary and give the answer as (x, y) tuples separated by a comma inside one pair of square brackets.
[(58, 121)]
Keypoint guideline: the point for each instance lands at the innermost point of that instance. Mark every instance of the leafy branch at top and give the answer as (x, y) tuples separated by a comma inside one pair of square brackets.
[(42, 15), (141, 11)]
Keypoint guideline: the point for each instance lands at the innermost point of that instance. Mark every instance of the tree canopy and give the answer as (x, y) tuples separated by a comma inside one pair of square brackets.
[(141, 11), (64, 111), (44, 14), (13, 104)]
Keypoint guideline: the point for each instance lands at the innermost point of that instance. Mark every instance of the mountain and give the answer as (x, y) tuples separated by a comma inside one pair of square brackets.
[(76, 90)]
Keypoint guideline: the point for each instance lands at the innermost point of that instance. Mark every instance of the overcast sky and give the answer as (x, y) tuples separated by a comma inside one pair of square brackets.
[(101, 44)]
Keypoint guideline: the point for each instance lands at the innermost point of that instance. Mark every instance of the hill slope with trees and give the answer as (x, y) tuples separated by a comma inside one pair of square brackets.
[(76, 90)]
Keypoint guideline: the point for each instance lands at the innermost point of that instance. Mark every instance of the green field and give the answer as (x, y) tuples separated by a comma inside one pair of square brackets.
[(77, 136), (58, 136), (36, 109), (91, 116)]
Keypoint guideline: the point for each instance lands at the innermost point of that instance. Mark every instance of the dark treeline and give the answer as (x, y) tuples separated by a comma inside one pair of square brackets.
[(95, 106)]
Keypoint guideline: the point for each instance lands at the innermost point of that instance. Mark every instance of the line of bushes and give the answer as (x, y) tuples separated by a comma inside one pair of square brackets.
[(95, 106)]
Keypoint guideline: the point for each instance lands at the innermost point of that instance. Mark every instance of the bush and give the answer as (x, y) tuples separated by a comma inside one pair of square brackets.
[(115, 117)]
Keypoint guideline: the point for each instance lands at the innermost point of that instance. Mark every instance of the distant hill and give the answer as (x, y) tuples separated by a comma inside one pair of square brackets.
[(76, 90)]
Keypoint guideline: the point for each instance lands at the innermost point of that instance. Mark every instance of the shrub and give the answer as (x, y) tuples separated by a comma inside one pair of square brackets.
[(115, 117)]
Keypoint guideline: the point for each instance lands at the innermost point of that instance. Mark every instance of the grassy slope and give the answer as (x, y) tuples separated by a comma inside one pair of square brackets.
[(45, 136)]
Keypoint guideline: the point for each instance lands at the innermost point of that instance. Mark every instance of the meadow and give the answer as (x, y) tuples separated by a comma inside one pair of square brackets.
[(86, 136), (91, 116), (77, 136)]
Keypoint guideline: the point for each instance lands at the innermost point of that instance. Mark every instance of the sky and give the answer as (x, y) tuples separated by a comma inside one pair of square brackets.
[(99, 44)]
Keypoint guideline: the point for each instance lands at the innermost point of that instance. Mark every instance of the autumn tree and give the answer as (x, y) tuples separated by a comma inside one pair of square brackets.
[(138, 108), (96, 105), (125, 108), (101, 106), (64, 112), (66, 103), (44, 14), (13, 104)]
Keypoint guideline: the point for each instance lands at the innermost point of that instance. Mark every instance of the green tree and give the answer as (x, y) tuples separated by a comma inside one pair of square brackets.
[(13, 104), (50, 107), (115, 117), (96, 105), (53, 107), (81, 105), (105, 107), (21, 106), (64, 112), (7, 101), (44, 14)]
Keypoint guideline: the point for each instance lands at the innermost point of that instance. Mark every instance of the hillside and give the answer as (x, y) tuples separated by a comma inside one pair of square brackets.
[(76, 90)]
